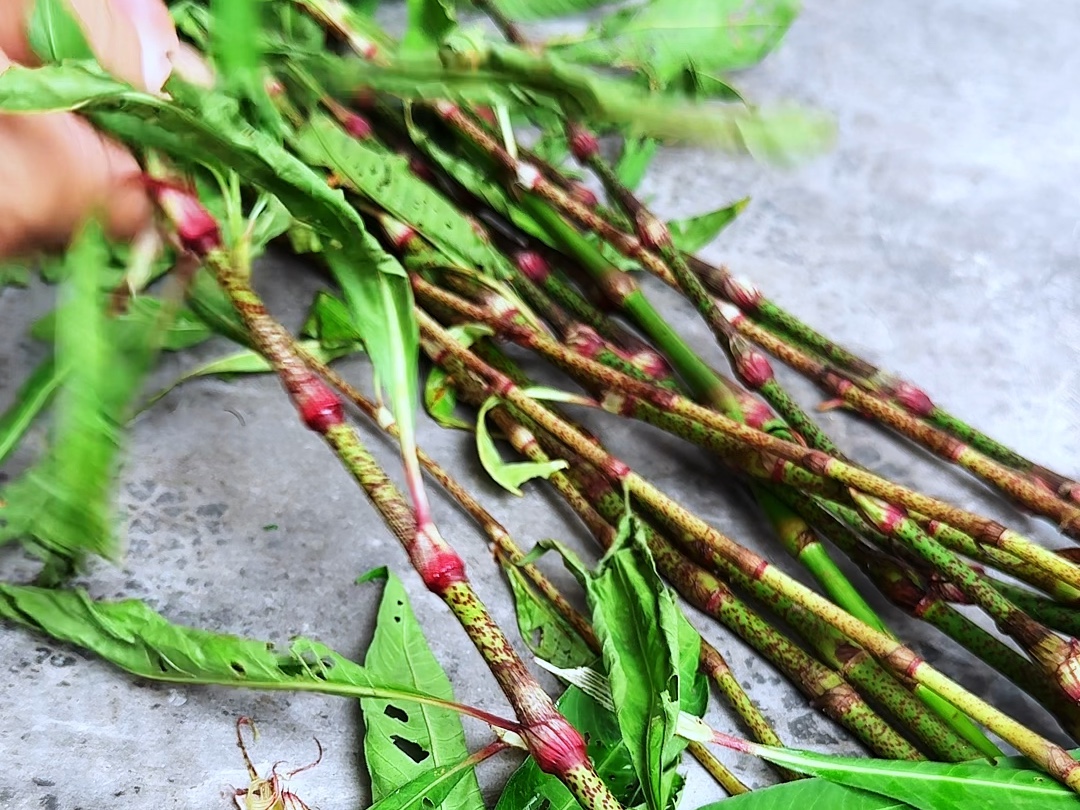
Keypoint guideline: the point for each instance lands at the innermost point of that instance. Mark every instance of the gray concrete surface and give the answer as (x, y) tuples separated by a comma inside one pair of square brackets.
[(940, 238)]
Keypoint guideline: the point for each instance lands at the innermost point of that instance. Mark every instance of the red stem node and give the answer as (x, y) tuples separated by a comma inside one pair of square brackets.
[(556, 745), (320, 408), (195, 226), (913, 399), (741, 293), (357, 126), (533, 265), (583, 143)]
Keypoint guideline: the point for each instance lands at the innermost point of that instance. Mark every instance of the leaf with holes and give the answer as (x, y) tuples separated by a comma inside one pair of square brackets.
[(404, 741)]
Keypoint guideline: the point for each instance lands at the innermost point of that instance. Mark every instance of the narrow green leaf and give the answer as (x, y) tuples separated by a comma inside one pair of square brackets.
[(541, 9), (381, 301), (638, 623), (246, 361), (432, 788), (184, 330), (64, 503), (429, 21), (509, 475), (133, 637), (54, 32), (663, 38), (808, 794), (330, 323), (634, 161), (691, 235), (386, 179), (933, 785), (402, 743), (506, 75), (32, 398), (543, 630)]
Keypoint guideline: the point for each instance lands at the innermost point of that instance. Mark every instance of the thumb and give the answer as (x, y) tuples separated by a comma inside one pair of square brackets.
[(132, 39)]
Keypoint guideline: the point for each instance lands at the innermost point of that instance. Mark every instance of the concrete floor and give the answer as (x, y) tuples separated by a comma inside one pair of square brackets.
[(939, 238)]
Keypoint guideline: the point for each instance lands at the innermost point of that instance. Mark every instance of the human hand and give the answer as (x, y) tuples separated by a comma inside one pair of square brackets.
[(55, 169)]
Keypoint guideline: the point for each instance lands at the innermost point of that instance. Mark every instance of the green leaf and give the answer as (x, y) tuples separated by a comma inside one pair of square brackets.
[(933, 785), (540, 9), (386, 179), (509, 475), (691, 235), (440, 398), (432, 788), (664, 38), (235, 27), (506, 75), (184, 330), (245, 361), (64, 503), (808, 794), (532, 789), (32, 398), (429, 21), (14, 273), (542, 628), (133, 637), (381, 303), (636, 156), (639, 626), (54, 32), (330, 323), (398, 735)]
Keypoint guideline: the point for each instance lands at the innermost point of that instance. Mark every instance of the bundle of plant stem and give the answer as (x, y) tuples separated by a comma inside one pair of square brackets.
[(396, 169)]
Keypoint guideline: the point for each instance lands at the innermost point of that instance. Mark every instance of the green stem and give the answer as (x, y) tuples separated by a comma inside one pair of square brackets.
[(1048, 756), (555, 744)]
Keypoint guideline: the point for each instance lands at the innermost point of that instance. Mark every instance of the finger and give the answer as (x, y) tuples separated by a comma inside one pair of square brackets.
[(55, 172), (132, 39)]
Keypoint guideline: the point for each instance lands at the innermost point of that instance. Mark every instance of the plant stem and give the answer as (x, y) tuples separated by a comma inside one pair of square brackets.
[(506, 549), (753, 303), (1052, 758), (555, 744), (710, 595), (1013, 484)]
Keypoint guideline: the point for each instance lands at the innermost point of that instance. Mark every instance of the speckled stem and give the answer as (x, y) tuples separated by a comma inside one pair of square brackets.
[(791, 330), (711, 595), (555, 744), (894, 655), (701, 588), (1057, 658), (1016, 486), (909, 590), (984, 530), (712, 662)]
